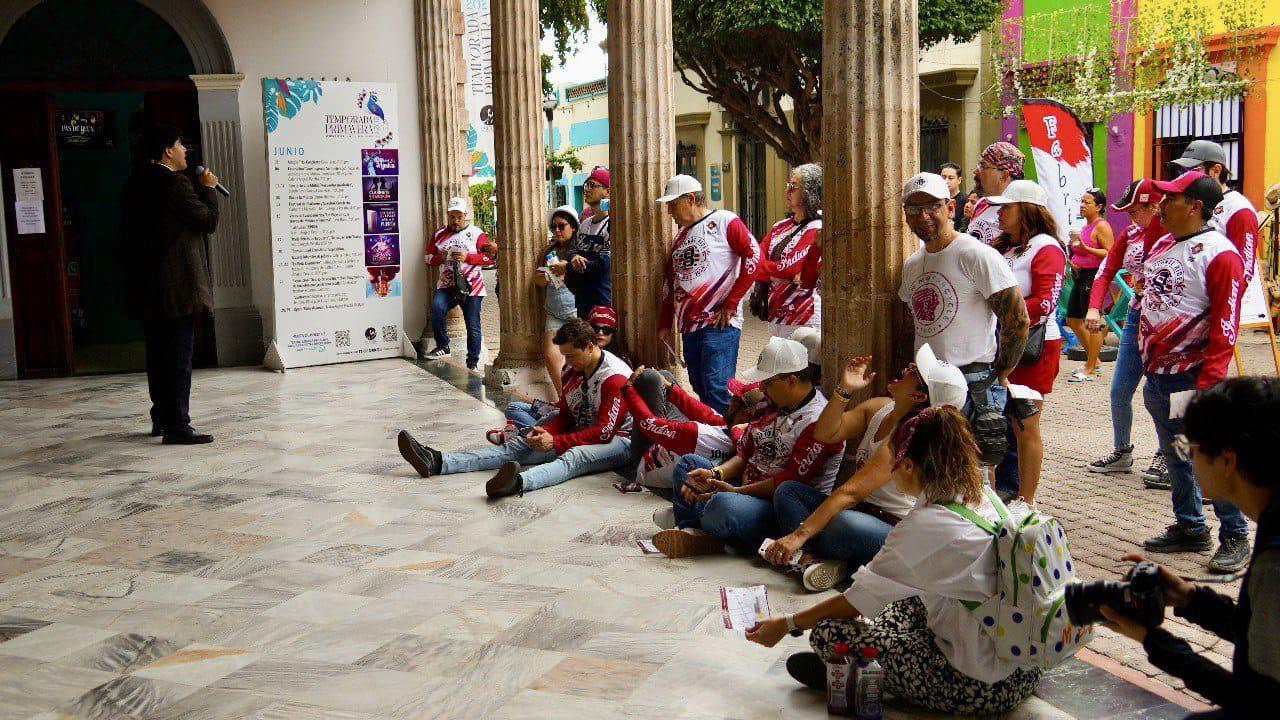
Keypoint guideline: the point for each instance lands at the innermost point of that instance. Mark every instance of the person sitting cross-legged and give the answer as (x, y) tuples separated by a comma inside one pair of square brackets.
[(732, 501), (589, 433), (841, 533)]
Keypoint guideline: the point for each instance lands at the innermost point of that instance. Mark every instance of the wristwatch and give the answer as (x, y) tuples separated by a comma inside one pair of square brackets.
[(792, 630), (844, 395)]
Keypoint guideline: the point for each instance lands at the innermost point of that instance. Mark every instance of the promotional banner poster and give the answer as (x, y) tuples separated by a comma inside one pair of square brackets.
[(334, 171), (1064, 162), (477, 47)]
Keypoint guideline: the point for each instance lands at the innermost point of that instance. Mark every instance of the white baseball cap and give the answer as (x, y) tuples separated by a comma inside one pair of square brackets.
[(779, 356), (680, 185), (930, 184), (458, 205), (1021, 191), (944, 381), (811, 339)]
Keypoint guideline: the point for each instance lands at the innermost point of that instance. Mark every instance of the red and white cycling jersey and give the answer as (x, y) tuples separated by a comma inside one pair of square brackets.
[(781, 447), (1190, 305), (469, 240), (985, 223), (1128, 253), (790, 302), (590, 407), (1039, 271), (712, 263), (1236, 218)]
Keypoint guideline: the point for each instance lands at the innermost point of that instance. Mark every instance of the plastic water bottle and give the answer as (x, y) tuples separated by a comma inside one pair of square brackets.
[(552, 258), (838, 680), (868, 686)]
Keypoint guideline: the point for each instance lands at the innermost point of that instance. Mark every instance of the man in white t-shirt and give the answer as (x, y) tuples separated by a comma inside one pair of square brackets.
[(959, 292)]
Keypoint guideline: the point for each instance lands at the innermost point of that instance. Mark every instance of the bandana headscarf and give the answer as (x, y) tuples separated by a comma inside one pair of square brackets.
[(1004, 156)]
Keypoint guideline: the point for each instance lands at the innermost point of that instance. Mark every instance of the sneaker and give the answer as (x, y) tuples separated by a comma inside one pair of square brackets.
[(423, 459), (808, 670), (1120, 460), (506, 482), (1232, 555), (824, 574), (665, 518), (497, 436), (1157, 469), (1160, 483), (438, 352), (687, 543), (1179, 538)]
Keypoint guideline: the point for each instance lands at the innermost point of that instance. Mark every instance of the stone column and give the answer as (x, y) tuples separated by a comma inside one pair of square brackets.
[(237, 324), (440, 89), (870, 134), (642, 151), (520, 178)]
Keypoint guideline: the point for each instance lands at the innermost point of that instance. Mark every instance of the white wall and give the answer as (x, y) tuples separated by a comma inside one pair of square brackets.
[(360, 40)]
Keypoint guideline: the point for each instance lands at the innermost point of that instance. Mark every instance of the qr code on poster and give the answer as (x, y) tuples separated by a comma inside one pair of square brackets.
[(342, 338), (390, 333)]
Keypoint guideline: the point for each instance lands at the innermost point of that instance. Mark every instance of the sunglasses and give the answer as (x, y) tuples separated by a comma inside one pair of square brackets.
[(792, 186), (603, 329), (591, 185), (916, 210), (560, 226)]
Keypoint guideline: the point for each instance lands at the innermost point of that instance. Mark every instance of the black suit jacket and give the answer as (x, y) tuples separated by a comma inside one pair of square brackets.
[(166, 218)]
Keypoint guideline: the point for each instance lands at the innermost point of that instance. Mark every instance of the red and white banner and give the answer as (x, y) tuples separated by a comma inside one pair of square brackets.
[(1064, 162)]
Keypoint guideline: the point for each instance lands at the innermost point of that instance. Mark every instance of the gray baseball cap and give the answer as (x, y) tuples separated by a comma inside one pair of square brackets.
[(1200, 152)]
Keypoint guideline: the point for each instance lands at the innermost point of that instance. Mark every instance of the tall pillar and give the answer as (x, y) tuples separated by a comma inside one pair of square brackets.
[(440, 88), (870, 134), (642, 152), (237, 325), (520, 178)]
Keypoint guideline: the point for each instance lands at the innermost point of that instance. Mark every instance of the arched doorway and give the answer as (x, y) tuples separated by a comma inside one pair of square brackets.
[(80, 80)]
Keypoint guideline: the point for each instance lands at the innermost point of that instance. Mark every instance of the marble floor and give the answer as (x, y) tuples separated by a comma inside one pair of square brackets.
[(297, 568)]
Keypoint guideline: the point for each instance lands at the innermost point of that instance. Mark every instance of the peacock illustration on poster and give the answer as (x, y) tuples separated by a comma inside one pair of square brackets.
[(284, 97)]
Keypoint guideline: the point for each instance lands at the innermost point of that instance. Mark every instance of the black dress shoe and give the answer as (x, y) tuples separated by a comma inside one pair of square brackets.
[(506, 482), (186, 438), (808, 670), (423, 459)]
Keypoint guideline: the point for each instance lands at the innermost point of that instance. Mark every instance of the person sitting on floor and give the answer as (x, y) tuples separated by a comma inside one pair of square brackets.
[(710, 508), (934, 650), (524, 415), (841, 533), (669, 423), (588, 434)]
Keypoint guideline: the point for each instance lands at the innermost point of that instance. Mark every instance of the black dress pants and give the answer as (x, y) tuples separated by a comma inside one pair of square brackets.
[(170, 343)]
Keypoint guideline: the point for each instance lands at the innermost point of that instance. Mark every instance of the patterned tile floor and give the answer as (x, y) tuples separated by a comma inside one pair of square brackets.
[(299, 569)]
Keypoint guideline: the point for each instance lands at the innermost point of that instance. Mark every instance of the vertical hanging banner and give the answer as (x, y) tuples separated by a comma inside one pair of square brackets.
[(333, 170), (477, 48), (1064, 162)]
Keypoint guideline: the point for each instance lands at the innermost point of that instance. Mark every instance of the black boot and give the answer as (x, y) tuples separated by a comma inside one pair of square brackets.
[(423, 459), (506, 482)]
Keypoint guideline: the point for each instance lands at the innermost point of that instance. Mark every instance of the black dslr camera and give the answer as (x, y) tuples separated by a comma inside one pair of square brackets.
[(1139, 596)]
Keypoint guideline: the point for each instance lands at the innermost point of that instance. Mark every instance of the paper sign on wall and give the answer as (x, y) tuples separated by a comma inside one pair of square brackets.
[(30, 216), (27, 186)]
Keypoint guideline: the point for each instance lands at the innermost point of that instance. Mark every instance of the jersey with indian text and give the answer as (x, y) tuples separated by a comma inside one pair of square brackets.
[(790, 302), (469, 240), (781, 447), (712, 263)]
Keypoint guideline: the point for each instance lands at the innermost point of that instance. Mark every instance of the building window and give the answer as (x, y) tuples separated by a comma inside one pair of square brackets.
[(752, 193), (1177, 125), (687, 159), (933, 143)]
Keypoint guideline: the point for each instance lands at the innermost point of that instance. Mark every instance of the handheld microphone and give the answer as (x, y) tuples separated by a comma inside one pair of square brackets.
[(219, 187)]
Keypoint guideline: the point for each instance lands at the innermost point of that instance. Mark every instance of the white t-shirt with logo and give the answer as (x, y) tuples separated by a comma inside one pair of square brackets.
[(985, 223), (947, 293)]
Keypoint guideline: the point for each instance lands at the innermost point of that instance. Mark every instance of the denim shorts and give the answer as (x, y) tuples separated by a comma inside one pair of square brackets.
[(560, 307)]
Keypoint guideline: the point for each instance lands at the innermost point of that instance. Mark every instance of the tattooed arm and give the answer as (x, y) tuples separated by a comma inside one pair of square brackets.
[(1011, 314)]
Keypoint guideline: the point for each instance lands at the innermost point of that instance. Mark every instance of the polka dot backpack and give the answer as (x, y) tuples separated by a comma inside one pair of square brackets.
[(1027, 618)]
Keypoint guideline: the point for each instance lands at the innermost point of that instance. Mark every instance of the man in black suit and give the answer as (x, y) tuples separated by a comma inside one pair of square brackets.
[(166, 218)]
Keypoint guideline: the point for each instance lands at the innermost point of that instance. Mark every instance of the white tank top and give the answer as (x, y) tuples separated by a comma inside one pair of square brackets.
[(887, 497)]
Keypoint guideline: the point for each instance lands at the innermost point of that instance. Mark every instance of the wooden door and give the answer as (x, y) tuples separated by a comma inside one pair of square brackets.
[(37, 261)]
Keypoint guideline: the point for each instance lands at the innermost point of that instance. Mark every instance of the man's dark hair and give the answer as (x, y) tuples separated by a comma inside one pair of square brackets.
[(577, 332), (158, 138), (950, 166), (1207, 191), (804, 376), (1241, 414)]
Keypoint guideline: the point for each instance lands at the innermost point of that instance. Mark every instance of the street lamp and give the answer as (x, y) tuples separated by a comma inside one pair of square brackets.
[(550, 101)]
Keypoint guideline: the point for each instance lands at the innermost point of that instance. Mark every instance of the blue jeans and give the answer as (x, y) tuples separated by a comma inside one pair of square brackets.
[(1124, 381), (521, 413), (440, 306), (743, 520), (852, 536), (712, 356), (1187, 503), (543, 467)]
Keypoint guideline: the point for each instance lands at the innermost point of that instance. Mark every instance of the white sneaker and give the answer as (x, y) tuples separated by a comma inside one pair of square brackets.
[(665, 517), (824, 574), (1120, 460)]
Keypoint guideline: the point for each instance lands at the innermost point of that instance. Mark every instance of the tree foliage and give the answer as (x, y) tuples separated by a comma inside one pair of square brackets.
[(761, 60)]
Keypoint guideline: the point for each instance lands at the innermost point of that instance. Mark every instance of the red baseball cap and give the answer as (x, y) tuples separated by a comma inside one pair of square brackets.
[(600, 175), (737, 388), (603, 315), (1194, 185), (1143, 190)]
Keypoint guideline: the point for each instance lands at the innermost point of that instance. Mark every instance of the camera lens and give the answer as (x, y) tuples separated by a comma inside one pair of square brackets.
[(1084, 600)]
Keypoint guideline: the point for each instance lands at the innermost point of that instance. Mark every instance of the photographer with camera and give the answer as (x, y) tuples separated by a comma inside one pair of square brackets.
[(1231, 430)]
